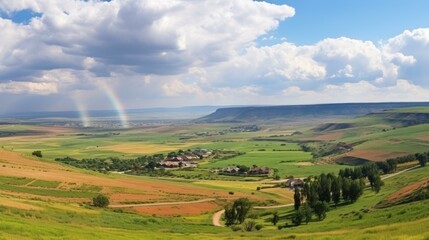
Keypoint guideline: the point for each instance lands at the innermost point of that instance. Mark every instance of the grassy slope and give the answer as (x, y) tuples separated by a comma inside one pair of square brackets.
[(404, 220), (409, 221)]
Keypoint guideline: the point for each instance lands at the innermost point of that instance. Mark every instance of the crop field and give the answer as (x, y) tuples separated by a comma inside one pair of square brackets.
[(39, 192), (50, 181), (288, 163)]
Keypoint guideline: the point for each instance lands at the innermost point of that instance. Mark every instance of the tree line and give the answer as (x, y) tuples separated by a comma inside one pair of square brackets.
[(318, 192), (142, 163)]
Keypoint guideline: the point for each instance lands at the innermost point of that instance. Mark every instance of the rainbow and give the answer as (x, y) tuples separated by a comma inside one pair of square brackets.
[(114, 100), (83, 114), (117, 104)]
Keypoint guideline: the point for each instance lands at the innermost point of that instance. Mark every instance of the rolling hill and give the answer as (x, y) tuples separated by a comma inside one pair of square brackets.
[(293, 112)]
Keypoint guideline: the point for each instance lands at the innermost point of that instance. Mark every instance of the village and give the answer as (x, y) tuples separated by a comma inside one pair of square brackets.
[(190, 158)]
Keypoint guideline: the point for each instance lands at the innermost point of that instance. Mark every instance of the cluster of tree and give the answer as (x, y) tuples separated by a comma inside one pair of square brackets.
[(371, 171), (143, 163), (318, 192), (237, 212), (422, 158), (37, 154), (100, 201)]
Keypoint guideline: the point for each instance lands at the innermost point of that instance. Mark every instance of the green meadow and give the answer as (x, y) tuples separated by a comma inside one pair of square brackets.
[(34, 208)]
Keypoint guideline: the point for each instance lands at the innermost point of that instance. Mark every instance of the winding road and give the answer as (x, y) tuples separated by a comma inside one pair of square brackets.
[(216, 218), (218, 215)]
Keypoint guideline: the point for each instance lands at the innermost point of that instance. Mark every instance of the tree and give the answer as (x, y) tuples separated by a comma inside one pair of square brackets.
[(297, 217), (100, 201), (230, 216), (172, 155), (377, 184), (423, 159), (242, 207), (320, 209), (355, 190), (345, 188), (243, 169), (307, 212), (275, 218), (325, 188), (336, 190), (313, 196), (297, 198), (37, 154), (151, 166), (237, 212)]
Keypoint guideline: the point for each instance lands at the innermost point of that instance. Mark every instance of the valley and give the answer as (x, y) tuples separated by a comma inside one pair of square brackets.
[(181, 201)]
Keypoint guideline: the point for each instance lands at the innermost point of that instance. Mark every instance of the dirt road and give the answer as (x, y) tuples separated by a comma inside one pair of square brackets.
[(216, 218)]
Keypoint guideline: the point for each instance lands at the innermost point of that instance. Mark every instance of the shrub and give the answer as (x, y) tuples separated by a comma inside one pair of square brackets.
[(37, 154), (249, 225), (275, 219), (297, 217), (100, 201), (235, 228), (258, 227)]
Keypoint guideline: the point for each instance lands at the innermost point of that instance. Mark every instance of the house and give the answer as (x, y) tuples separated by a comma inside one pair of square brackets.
[(294, 182), (176, 164), (170, 164), (233, 169)]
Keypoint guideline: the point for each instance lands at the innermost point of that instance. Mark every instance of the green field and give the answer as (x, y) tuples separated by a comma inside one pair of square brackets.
[(29, 203), (44, 184), (405, 221)]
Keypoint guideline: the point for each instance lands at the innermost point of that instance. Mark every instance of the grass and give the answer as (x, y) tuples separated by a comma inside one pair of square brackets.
[(288, 163), (44, 184), (47, 192), (15, 180), (55, 223), (347, 217), (410, 110)]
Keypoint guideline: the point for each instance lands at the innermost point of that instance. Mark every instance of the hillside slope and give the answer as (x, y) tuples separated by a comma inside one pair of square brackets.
[(272, 113)]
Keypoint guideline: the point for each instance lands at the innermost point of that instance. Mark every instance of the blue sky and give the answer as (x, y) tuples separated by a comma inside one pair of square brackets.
[(374, 20), (21, 16), (71, 54)]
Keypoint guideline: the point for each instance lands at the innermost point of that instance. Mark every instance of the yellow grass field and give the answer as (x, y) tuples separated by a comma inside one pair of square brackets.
[(146, 148), (120, 188)]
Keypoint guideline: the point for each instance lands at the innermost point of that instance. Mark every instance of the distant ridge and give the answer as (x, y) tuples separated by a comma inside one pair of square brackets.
[(290, 112), (143, 113)]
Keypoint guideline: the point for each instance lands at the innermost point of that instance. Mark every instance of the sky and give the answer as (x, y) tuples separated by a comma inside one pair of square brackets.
[(88, 55)]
